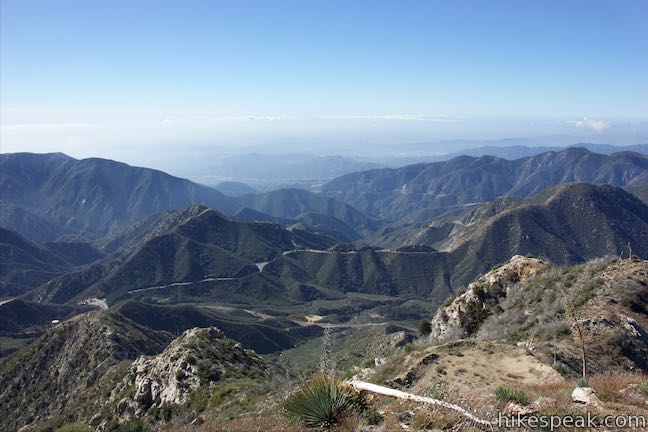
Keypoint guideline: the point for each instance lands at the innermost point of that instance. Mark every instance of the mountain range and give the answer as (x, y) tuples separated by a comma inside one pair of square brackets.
[(92, 197), (167, 260), (206, 255), (290, 233), (54, 197), (508, 150), (393, 194)]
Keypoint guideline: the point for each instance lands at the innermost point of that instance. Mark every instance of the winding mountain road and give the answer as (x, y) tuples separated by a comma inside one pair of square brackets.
[(261, 265), (179, 284)]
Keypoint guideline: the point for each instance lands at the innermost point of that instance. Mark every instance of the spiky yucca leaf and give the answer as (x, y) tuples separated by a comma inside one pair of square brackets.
[(133, 426), (643, 388), (323, 402), (507, 394)]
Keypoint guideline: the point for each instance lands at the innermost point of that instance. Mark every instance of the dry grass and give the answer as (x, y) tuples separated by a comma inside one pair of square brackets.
[(619, 395), (609, 387), (261, 423), (435, 419), (252, 423)]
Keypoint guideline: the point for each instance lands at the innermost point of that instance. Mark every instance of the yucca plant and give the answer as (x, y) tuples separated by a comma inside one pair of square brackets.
[(133, 426), (507, 394), (74, 427), (323, 402), (643, 388), (583, 383)]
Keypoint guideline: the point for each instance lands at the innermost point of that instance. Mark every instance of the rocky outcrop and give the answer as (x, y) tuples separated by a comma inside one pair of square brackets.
[(523, 302), (69, 365), (201, 357), (464, 315)]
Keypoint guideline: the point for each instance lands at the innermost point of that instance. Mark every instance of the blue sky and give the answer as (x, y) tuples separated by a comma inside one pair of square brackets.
[(86, 76)]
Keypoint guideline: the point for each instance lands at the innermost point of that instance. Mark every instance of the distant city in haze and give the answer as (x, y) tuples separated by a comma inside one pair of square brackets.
[(165, 84)]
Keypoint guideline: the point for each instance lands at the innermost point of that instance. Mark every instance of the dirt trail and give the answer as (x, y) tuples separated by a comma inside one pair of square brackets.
[(338, 325), (473, 367)]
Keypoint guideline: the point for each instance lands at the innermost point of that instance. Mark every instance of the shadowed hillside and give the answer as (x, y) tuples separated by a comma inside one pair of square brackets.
[(24, 265), (94, 197), (572, 224), (296, 203)]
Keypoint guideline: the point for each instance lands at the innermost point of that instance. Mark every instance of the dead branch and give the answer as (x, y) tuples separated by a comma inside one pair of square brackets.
[(386, 391)]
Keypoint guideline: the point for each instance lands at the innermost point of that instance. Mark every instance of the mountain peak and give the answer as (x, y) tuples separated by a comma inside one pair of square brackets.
[(66, 361), (575, 150), (97, 197), (200, 357)]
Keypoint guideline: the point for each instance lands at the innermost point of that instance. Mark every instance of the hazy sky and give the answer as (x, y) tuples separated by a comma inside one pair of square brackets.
[(102, 77)]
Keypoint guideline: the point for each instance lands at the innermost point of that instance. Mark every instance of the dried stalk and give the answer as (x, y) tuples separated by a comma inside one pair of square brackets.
[(386, 391), (571, 313)]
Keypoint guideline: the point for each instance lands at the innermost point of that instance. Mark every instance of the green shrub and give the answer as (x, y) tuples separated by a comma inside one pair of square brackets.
[(474, 317), (74, 427), (643, 388), (324, 402), (448, 301), (424, 328), (507, 394), (583, 382), (561, 369), (133, 426)]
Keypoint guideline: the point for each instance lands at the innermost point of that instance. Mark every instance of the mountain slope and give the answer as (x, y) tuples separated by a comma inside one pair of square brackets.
[(519, 151), (235, 189), (207, 256), (29, 225), (321, 224), (56, 373), (267, 336), (94, 197), (19, 316), (573, 223), (24, 265), (395, 193), (196, 246), (200, 359), (295, 203), (568, 224), (368, 270), (524, 301)]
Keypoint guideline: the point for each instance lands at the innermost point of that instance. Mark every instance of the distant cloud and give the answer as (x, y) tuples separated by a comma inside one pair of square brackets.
[(244, 118), (170, 120), (597, 125), (398, 117)]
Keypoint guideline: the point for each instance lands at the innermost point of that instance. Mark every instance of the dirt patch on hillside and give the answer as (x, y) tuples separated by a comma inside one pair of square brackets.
[(473, 368)]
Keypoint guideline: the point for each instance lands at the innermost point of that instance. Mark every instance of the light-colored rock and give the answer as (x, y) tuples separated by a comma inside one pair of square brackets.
[(200, 357), (584, 395), (458, 319)]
